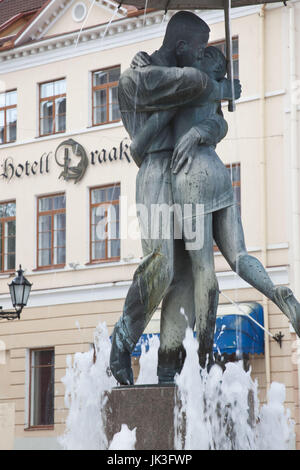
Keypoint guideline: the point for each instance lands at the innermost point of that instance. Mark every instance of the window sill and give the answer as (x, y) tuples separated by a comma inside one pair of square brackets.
[(6, 274), (109, 123), (40, 428), (104, 261), (58, 267)]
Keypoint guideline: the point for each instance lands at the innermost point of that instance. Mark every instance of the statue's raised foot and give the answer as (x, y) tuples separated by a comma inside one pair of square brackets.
[(289, 305), (120, 358)]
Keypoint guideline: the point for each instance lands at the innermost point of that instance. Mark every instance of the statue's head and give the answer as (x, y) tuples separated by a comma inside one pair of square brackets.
[(214, 63), (187, 35)]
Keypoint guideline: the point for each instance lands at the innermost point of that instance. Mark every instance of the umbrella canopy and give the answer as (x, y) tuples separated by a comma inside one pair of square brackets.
[(192, 4)]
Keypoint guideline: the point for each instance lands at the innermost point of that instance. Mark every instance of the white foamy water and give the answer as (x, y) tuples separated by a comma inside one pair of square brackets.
[(86, 383), (221, 411), (125, 439), (212, 410)]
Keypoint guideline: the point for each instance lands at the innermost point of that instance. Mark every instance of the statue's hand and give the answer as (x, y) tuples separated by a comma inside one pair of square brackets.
[(141, 59), (185, 151)]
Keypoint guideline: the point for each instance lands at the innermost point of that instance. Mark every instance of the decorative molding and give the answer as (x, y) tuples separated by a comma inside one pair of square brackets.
[(118, 290), (128, 31), (62, 135)]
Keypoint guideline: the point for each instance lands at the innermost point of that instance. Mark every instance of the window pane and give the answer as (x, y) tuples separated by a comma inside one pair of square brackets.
[(100, 78), (8, 209), (115, 112), (59, 221), (11, 98), (59, 238), (113, 193), (98, 250), (114, 229), (45, 240), (45, 223), (237, 194), (113, 214), (2, 100), (60, 117), (10, 228), (59, 256), (235, 69), (45, 204), (114, 248), (60, 87), (47, 126), (234, 171), (235, 46), (98, 195), (9, 261), (100, 115), (11, 120), (60, 105), (100, 98), (114, 74), (10, 244), (42, 389), (1, 127), (46, 109), (59, 202), (47, 90), (44, 257), (60, 123), (43, 357), (98, 215)]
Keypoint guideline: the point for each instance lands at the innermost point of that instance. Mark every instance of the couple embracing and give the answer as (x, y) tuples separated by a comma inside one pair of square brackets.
[(170, 104)]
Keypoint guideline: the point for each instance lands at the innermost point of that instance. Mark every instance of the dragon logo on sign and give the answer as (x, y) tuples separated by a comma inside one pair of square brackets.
[(70, 171)]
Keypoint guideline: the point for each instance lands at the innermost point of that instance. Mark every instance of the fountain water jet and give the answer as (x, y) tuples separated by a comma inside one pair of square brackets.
[(216, 410)]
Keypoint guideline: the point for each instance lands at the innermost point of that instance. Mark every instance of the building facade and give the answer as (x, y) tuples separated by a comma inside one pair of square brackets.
[(66, 167)]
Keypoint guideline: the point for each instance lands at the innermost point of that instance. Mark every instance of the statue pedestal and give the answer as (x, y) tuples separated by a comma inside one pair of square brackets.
[(149, 408)]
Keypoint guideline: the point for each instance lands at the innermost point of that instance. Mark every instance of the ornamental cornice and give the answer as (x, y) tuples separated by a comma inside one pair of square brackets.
[(123, 31)]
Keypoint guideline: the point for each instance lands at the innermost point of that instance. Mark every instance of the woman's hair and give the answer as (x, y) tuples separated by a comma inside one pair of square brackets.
[(219, 58), (184, 25)]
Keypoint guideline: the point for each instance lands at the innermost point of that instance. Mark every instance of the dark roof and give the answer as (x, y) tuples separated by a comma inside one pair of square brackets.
[(10, 8)]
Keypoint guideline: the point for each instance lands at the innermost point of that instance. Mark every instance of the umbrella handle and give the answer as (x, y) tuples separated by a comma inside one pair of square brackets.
[(227, 8)]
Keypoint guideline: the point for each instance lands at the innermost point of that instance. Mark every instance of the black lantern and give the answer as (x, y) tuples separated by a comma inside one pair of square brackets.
[(19, 289)]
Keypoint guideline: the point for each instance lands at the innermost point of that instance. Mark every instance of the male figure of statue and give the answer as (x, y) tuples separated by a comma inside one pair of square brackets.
[(182, 278)]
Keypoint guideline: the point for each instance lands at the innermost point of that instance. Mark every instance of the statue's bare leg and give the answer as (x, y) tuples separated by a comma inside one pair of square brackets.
[(229, 236), (155, 273), (206, 293), (177, 313)]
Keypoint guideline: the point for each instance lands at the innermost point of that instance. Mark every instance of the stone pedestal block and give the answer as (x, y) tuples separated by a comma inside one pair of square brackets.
[(149, 408)]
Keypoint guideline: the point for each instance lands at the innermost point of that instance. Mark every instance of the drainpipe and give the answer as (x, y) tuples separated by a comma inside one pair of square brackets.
[(294, 169), (263, 185)]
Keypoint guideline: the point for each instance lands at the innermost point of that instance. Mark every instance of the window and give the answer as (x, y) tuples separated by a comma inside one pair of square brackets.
[(7, 236), (41, 387), (105, 96), (235, 53), (8, 116), (51, 249), (53, 107), (235, 175), (105, 223)]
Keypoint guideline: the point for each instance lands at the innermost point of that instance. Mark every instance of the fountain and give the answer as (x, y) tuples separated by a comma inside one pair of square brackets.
[(189, 403), (209, 410)]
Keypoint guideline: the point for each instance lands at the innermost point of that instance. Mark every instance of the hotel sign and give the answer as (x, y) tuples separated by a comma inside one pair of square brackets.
[(71, 156)]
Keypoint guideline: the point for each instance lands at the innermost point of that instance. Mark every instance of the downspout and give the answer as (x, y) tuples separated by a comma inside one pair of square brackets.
[(263, 185), (294, 169)]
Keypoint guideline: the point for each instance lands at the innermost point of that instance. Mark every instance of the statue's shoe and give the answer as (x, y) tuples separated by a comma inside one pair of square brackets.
[(289, 305), (120, 360)]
